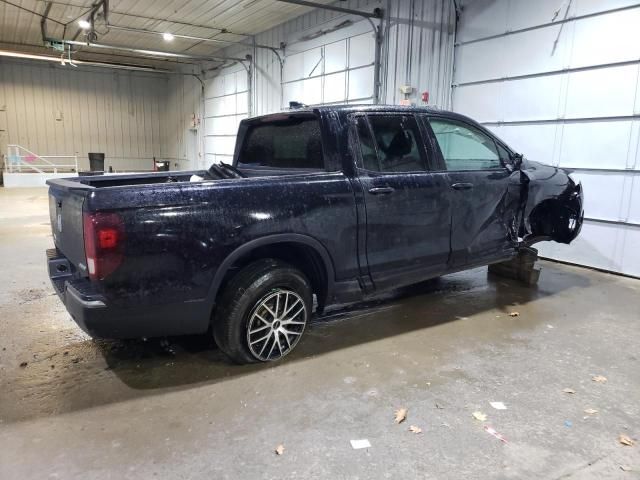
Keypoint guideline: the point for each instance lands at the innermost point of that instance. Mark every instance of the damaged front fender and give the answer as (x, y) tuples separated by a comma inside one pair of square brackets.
[(552, 204)]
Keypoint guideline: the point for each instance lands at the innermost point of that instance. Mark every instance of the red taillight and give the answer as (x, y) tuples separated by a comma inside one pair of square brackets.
[(108, 238), (103, 243)]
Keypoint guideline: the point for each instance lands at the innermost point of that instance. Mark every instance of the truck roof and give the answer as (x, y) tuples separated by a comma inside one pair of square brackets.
[(350, 108)]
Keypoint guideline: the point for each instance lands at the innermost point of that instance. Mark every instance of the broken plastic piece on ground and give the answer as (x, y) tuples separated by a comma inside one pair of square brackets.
[(498, 405), (414, 429), (514, 314), (492, 431), (599, 378), (279, 449), (358, 444), (568, 423), (568, 390), (480, 416)]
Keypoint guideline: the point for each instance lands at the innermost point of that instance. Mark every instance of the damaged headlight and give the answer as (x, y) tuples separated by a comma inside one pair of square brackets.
[(573, 178)]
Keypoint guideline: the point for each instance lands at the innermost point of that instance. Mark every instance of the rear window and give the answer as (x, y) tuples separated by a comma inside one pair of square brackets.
[(291, 143)]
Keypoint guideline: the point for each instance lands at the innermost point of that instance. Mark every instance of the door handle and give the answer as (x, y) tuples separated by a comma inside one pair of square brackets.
[(462, 186), (381, 190)]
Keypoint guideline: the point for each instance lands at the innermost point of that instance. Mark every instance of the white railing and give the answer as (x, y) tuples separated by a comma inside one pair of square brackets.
[(20, 159)]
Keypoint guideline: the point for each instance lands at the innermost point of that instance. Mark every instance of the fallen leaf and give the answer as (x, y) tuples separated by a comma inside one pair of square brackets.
[(280, 449), (591, 411), (568, 390), (514, 314), (480, 416), (624, 440), (401, 415), (599, 379), (414, 429)]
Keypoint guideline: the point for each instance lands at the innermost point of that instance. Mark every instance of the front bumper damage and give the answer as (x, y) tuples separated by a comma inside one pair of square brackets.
[(553, 210)]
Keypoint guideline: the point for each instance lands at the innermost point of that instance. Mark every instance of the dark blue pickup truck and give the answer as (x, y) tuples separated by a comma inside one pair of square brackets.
[(320, 206)]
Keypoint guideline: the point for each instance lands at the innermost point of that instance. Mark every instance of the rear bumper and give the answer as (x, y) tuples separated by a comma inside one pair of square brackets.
[(96, 316)]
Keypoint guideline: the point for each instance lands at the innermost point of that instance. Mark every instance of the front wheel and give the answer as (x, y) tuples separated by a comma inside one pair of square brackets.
[(262, 312)]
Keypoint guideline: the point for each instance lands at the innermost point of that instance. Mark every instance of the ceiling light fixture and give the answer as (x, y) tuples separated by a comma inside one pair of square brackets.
[(84, 24), (168, 37)]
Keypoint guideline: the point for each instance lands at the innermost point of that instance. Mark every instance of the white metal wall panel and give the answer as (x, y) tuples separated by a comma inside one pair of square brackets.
[(567, 94), (604, 92), (536, 140), (607, 147), (484, 18), (310, 69), (225, 105), (633, 214)]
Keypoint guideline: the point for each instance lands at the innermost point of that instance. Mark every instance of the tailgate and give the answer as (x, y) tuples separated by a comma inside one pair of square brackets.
[(65, 214)]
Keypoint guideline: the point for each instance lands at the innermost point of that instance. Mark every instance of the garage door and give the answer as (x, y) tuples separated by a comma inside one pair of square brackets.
[(337, 66), (566, 94), (226, 104)]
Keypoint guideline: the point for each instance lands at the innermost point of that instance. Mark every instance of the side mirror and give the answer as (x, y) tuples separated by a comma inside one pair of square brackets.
[(516, 159)]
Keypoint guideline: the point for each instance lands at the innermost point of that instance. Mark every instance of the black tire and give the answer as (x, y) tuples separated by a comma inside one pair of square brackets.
[(244, 294)]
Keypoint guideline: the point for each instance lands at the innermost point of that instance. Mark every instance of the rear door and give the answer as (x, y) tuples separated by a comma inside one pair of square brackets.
[(407, 215), (484, 191)]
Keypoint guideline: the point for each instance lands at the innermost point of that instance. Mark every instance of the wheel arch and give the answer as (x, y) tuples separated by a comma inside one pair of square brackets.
[(301, 251)]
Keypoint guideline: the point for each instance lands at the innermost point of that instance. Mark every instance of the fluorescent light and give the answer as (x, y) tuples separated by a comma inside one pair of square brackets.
[(7, 53), (84, 24), (168, 37), (62, 61)]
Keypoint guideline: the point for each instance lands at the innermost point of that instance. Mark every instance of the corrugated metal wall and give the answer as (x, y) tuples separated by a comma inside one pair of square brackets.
[(420, 50), (130, 116), (182, 143), (560, 82), (417, 50)]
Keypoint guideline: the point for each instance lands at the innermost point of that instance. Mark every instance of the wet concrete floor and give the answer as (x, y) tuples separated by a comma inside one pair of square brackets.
[(71, 407)]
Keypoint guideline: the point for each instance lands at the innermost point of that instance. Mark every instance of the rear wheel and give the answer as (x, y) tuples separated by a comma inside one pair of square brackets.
[(263, 312)]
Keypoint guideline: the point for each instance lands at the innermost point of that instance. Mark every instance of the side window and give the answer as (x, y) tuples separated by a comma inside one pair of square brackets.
[(394, 146), (464, 147), (292, 143), (504, 154)]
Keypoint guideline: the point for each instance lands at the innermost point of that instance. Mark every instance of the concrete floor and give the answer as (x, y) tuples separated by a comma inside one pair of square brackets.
[(445, 349)]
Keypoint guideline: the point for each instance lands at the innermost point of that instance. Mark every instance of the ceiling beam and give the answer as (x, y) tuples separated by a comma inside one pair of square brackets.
[(140, 51), (377, 13)]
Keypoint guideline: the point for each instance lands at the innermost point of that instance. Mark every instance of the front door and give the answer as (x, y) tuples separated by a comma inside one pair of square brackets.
[(407, 215), (484, 192)]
